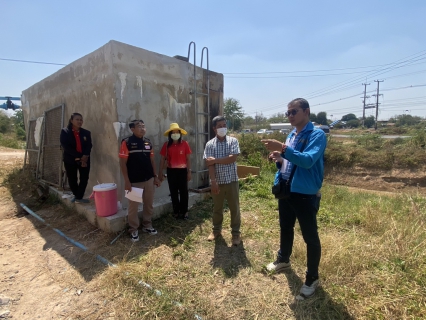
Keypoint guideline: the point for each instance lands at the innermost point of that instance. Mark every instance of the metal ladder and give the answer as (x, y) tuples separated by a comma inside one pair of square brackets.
[(201, 117)]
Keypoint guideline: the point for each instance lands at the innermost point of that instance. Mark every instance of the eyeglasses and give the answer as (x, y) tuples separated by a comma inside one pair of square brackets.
[(291, 112)]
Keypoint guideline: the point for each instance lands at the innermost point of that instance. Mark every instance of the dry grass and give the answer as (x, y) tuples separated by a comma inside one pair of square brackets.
[(373, 263)]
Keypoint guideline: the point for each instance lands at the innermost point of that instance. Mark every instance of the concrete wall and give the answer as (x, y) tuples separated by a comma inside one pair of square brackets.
[(118, 83)]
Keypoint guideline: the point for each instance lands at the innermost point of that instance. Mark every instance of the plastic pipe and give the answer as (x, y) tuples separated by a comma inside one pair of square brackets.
[(98, 257), (77, 244)]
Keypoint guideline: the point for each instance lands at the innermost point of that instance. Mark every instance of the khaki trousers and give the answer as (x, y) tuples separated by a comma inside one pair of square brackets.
[(148, 200), (231, 193)]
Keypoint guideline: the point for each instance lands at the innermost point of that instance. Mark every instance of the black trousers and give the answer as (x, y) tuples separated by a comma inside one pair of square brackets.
[(77, 188), (178, 186), (304, 208)]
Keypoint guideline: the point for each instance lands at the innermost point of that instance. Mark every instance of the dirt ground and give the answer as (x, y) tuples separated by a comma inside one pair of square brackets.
[(39, 277), (43, 276)]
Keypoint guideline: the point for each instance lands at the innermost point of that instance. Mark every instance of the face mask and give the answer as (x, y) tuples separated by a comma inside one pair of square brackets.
[(175, 136), (221, 132)]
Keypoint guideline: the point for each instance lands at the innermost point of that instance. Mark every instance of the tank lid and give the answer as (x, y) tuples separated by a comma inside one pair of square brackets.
[(104, 187)]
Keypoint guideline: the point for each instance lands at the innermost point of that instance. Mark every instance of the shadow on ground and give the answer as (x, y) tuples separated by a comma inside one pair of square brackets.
[(63, 218), (229, 259), (320, 306)]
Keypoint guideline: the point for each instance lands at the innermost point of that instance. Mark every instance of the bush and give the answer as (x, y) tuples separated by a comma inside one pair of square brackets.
[(20, 134), (250, 144), (5, 125), (369, 141), (419, 139), (8, 142)]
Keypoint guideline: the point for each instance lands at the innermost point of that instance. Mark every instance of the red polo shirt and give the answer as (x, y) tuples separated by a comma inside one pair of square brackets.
[(77, 140), (176, 154)]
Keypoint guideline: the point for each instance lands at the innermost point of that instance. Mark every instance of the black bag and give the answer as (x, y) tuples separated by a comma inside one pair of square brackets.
[(281, 190)]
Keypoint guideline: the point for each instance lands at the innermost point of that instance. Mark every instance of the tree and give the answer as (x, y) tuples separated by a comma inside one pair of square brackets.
[(349, 117), (18, 119), (369, 122), (5, 123), (313, 117), (260, 119), (407, 120), (248, 120), (353, 123), (233, 112), (322, 118), (278, 118)]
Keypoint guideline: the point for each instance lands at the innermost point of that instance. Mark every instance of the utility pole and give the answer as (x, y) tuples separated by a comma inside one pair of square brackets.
[(363, 108), (377, 101)]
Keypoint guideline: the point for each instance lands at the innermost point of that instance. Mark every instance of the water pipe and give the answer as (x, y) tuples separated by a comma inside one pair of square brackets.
[(77, 244), (101, 259)]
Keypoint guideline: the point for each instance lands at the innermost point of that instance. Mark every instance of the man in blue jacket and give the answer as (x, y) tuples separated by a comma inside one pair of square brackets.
[(303, 153)]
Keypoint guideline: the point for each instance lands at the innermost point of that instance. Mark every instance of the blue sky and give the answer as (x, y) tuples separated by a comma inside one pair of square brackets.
[(269, 51)]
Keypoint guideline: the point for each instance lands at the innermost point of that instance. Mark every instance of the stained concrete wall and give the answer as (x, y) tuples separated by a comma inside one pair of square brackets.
[(118, 83)]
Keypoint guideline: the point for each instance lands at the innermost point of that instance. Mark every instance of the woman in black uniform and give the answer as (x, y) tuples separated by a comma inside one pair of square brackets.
[(77, 144)]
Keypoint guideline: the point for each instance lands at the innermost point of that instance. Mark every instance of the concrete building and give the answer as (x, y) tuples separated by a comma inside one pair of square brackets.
[(116, 84)]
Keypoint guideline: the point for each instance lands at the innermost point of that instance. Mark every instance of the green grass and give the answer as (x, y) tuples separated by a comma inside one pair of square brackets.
[(373, 263)]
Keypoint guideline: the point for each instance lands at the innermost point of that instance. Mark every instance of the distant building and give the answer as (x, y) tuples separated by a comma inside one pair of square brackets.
[(279, 126)]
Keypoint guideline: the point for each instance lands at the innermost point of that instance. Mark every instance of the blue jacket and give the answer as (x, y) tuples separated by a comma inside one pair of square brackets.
[(309, 172)]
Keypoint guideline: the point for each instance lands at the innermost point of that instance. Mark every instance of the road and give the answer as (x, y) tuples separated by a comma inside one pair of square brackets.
[(382, 136)]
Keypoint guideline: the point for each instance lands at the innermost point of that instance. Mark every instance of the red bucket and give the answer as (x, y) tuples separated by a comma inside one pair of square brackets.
[(105, 195)]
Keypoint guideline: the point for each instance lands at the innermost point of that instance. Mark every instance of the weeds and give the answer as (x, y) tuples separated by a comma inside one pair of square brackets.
[(373, 264), (11, 142)]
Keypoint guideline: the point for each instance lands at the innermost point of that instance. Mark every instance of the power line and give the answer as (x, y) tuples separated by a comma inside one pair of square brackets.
[(317, 75), (398, 63), (371, 91), (347, 108), (356, 85), (298, 76), (354, 82), (319, 70), (38, 62)]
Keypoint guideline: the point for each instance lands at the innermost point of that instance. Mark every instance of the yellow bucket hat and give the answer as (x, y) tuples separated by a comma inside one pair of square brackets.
[(174, 126)]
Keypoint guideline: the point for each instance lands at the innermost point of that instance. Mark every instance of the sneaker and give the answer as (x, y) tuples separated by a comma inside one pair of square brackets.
[(308, 289), (72, 200), (151, 231), (82, 201), (236, 239), (278, 266), (135, 236), (214, 235)]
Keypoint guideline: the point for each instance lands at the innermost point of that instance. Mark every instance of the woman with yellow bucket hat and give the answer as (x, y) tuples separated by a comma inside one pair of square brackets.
[(175, 156)]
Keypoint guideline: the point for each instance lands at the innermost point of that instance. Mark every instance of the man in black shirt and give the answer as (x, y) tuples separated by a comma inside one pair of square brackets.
[(138, 169)]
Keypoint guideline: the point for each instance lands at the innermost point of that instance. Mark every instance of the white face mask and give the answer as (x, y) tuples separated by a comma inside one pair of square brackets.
[(175, 136), (221, 132)]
